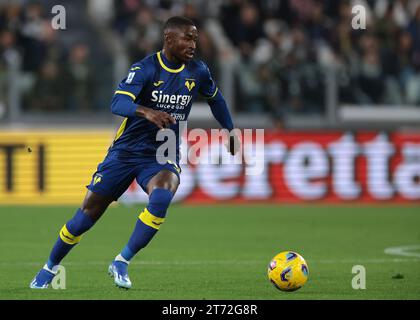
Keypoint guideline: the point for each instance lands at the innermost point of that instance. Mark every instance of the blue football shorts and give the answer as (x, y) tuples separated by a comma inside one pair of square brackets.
[(113, 176)]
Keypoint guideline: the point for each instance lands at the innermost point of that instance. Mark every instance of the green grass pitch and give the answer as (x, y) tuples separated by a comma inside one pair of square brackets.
[(219, 252)]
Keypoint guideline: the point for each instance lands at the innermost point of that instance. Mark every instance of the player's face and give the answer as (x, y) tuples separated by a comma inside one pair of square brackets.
[(184, 43)]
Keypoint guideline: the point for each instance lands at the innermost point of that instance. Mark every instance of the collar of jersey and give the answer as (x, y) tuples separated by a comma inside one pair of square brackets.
[(162, 58)]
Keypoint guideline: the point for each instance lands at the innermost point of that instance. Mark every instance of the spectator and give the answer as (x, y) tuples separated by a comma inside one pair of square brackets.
[(79, 79), (124, 13), (370, 72), (143, 36), (414, 30), (32, 32), (9, 62), (8, 52), (11, 18), (207, 51), (191, 12), (249, 29), (49, 92)]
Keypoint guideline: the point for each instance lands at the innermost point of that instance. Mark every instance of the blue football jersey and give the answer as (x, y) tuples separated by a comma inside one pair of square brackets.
[(156, 83)]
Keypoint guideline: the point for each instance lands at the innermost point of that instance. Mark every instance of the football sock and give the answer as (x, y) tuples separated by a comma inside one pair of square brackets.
[(69, 236), (148, 223), (121, 258)]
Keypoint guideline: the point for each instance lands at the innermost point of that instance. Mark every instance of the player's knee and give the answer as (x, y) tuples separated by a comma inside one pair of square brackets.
[(94, 212), (94, 206), (159, 201), (165, 179)]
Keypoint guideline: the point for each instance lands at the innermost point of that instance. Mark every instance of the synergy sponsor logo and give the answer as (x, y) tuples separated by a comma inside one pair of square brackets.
[(170, 101)]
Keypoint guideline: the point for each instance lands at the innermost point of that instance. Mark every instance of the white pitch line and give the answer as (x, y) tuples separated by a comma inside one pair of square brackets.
[(216, 262), (404, 251)]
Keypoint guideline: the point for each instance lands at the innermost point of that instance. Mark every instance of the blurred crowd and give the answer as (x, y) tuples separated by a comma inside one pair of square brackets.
[(50, 75), (290, 51), (284, 56)]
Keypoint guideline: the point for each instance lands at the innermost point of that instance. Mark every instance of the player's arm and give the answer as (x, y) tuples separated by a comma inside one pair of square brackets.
[(123, 103), (159, 118), (221, 113), (219, 109), (124, 100)]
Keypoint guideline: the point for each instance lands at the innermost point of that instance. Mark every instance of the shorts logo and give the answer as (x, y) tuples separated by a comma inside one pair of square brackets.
[(158, 83), (190, 85), (97, 179)]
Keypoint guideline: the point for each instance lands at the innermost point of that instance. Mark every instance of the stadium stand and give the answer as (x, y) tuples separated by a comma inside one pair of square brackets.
[(278, 58)]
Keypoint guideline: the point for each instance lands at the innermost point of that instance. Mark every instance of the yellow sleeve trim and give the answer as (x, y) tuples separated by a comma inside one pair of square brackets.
[(150, 220), (214, 94), (67, 237), (126, 93)]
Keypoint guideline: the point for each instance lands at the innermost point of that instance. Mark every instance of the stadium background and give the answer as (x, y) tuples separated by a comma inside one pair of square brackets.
[(340, 108)]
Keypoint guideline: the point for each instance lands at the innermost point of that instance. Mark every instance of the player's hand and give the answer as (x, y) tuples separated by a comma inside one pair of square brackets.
[(161, 119), (233, 144)]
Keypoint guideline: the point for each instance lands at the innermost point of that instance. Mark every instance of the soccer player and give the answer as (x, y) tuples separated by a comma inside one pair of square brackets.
[(156, 94)]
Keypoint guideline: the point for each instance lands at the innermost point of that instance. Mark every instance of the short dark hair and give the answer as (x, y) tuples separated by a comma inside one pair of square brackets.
[(176, 22)]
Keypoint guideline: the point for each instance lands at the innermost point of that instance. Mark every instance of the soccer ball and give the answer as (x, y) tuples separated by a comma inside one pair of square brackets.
[(288, 271)]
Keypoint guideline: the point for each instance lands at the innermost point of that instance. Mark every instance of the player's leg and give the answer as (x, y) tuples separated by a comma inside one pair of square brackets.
[(108, 183), (94, 205), (161, 189)]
